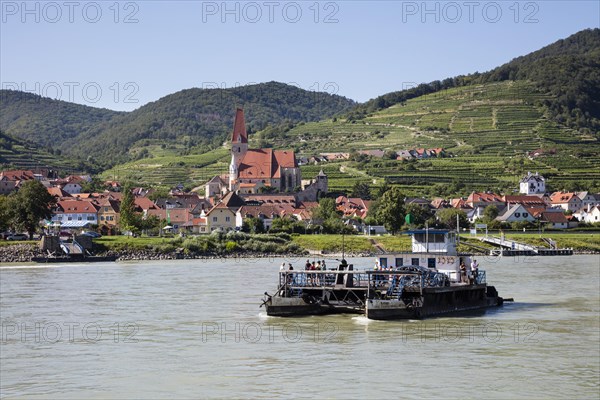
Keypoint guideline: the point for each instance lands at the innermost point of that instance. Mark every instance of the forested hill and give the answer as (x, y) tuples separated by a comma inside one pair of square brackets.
[(47, 122), (568, 70), (198, 118)]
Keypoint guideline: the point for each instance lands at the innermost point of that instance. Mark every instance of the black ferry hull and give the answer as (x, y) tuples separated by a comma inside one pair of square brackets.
[(298, 306), (435, 302)]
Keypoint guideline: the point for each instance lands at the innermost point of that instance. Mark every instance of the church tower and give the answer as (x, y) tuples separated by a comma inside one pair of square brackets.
[(239, 147)]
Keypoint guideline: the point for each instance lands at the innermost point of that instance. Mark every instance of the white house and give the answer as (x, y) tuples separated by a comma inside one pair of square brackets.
[(589, 215), (532, 184), (75, 213), (72, 188), (516, 213)]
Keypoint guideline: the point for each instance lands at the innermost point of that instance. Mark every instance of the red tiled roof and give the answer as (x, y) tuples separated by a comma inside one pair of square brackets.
[(554, 217), (144, 203), (266, 163), (560, 197), (477, 197), (285, 158), (524, 199), (77, 206), (270, 198), (257, 164), (17, 175), (58, 192)]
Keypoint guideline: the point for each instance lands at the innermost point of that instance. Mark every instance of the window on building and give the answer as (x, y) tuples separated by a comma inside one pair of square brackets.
[(227, 219), (90, 218), (69, 218), (525, 215), (214, 219), (79, 218), (517, 215)]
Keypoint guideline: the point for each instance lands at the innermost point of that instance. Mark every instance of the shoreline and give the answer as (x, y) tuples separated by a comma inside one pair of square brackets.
[(23, 253)]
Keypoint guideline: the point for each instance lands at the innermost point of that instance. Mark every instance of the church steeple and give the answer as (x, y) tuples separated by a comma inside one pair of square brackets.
[(239, 128), (239, 147)]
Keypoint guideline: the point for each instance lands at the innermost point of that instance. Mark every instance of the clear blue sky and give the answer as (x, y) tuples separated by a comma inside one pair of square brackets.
[(126, 54)]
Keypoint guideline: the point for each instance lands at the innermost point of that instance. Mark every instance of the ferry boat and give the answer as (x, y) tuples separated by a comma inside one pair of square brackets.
[(422, 283)]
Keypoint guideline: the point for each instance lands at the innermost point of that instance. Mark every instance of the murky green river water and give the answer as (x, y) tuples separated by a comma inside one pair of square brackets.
[(184, 329)]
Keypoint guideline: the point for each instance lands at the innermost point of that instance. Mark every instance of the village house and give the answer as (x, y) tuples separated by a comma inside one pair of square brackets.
[(75, 213), (217, 186), (532, 184), (589, 199), (567, 201), (589, 214), (525, 200), (175, 218), (516, 213), (352, 207), (11, 180), (479, 199), (554, 220), (222, 216), (197, 225), (266, 213), (109, 211)]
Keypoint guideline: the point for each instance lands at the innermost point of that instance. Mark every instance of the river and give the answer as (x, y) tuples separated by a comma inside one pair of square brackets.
[(184, 329)]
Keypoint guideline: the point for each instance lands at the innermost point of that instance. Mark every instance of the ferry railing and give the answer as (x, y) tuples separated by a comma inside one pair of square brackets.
[(324, 279), (480, 278)]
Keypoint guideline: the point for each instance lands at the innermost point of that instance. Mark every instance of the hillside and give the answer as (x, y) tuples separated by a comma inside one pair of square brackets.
[(487, 131), (199, 119), (568, 69), (47, 122), (21, 154)]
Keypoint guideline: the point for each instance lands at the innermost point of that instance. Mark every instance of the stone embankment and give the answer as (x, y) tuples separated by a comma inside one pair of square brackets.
[(19, 253)]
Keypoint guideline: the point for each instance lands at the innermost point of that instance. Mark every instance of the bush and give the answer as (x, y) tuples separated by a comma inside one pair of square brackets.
[(230, 246)]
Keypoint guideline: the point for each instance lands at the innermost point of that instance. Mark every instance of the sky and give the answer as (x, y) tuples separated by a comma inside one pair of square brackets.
[(123, 54)]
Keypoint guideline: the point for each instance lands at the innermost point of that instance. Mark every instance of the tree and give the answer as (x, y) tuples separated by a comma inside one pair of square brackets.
[(4, 213), (94, 186), (361, 190), (326, 209), (447, 216), (253, 225), (419, 214), (391, 210), (490, 213), (130, 219), (159, 193), (382, 189), (30, 204)]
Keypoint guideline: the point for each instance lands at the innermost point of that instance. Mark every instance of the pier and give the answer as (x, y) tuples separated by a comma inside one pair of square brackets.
[(514, 248)]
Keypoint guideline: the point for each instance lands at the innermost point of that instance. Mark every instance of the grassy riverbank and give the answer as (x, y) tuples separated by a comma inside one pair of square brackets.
[(580, 242), (234, 244)]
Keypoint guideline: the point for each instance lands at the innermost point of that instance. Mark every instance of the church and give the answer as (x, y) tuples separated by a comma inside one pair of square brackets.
[(251, 169)]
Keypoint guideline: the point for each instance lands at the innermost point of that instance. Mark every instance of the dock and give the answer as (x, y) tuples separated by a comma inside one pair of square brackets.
[(514, 248)]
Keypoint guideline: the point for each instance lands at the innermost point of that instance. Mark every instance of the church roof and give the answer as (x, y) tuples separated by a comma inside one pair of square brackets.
[(266, 163)]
